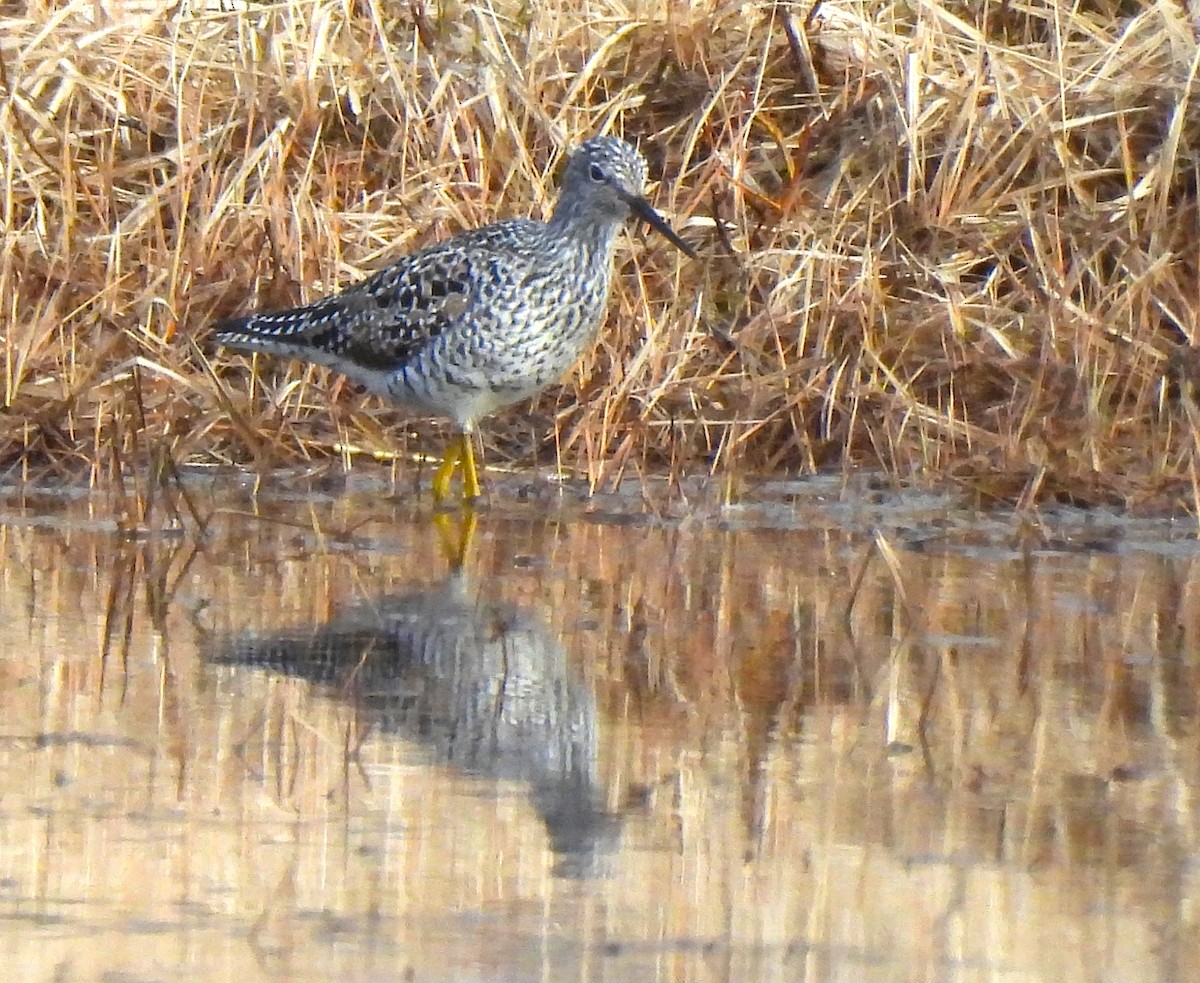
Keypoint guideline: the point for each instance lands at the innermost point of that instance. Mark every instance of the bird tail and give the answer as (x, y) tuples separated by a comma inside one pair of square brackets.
[(280, 333)]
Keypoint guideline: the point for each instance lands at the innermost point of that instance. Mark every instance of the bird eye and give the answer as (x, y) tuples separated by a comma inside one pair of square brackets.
[(596, 173)]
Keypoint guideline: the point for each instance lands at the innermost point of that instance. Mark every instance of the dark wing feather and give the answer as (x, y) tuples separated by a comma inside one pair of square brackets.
[(383, 321)]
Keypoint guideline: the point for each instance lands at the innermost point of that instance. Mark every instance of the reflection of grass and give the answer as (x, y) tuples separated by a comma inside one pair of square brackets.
[(809, 738), (969, 253)]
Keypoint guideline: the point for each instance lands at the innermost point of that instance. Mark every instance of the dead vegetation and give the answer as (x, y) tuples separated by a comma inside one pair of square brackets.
[(949, 241)]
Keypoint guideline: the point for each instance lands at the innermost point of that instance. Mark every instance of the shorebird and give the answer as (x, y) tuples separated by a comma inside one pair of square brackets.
[(481, 320)]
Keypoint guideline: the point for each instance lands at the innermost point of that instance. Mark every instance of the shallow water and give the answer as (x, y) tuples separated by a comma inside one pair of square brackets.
[(827, 734)]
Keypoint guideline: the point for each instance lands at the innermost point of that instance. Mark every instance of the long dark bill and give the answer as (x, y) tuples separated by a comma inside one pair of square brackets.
[(644, 210)]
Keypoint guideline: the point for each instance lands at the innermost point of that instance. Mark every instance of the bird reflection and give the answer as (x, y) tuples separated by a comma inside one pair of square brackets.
[(479, 682)]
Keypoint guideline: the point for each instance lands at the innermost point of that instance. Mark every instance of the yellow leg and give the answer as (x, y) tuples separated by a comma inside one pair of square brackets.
[(445, 473), (460, 450), (471, 489)]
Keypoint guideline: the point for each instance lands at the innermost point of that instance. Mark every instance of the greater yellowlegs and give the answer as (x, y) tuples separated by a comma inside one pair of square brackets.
[(479, 321)]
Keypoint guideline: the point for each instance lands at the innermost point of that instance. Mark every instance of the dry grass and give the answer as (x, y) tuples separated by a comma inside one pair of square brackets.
[(955, 241)]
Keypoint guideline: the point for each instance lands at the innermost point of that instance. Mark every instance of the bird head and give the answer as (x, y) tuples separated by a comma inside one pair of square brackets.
[(605, 183)]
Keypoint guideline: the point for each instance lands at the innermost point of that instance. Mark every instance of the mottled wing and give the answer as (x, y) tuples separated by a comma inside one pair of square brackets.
[(383, 322)]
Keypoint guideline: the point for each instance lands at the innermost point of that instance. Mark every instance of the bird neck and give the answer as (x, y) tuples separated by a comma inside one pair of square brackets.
[(592, 234)]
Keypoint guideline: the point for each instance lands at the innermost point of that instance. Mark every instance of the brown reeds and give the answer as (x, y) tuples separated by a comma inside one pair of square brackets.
[(948, 241)]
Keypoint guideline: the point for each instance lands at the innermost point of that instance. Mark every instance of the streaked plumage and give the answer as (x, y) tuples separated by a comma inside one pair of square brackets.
[(479, 321)]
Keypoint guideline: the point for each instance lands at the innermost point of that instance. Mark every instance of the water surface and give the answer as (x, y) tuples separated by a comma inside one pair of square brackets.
[(822, 735)]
